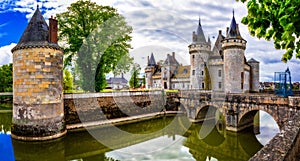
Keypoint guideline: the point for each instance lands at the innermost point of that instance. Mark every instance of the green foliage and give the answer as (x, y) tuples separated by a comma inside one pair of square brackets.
[(277, 20), (97, 39), (6, 78), (68, 80), (144, 80), (207, 80), (134, 80)]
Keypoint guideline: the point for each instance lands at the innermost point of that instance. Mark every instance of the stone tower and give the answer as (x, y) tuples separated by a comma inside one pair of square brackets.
[(254, 75), (38, 112), (233, 47), (199, 52), (150, 70)]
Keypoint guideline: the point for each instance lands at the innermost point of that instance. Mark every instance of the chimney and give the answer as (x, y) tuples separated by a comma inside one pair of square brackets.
[(53, 30), (220, 32), (148, 59), (227, 30), (122, 75), (173, 54)]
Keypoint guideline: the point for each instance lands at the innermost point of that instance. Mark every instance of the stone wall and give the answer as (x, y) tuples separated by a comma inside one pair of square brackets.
[(285, 146), (37, 93), (102, 106)]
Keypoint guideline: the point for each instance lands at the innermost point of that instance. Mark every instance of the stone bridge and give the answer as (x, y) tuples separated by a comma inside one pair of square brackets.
[(237, 111)]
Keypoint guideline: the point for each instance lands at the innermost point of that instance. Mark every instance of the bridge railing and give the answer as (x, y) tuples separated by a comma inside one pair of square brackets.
[(112, 94)]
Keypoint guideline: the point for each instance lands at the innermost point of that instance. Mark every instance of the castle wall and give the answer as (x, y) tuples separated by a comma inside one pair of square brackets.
[(38, 99), (254, 74), (149, 71), (216, 77), (180, 83), (233, 69), (246, 81), (199, 54)]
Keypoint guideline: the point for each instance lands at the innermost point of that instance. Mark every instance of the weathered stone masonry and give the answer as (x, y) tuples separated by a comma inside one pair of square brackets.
[(82, 108), (38, 99)]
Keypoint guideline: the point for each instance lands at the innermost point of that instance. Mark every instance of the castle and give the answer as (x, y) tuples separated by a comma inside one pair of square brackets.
[(222, 68)]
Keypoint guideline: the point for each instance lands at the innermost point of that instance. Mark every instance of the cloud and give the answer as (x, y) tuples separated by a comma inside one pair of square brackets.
[(3, 34), (170, 23), (5, 54)]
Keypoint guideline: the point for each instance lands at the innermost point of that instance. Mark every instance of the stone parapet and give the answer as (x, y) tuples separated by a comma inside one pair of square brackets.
[(285, 146), (83, 108)]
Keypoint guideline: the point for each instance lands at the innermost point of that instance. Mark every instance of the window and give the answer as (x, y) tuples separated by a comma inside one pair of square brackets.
[(220, 85), (182, 85), (193, 56), (202, 85), (193, 72), (202, 72), (242, 80), (220, 73)]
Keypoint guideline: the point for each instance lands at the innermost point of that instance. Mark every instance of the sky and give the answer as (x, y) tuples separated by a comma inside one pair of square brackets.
[(160, 27)]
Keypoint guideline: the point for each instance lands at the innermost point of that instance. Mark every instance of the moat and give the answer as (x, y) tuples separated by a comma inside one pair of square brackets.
[(165, 138)]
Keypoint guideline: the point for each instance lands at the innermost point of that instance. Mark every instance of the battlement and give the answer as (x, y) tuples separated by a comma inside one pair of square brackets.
[(199, 47), (234, 43)]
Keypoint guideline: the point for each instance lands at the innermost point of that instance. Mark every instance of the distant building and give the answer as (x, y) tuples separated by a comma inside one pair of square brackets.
[(117, 83), (221, 68)]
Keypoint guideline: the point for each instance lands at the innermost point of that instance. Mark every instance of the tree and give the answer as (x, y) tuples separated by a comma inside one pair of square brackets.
[(6, 78), (68, 80), (97, 39), (144, 81), (134, 80), (277, 20)]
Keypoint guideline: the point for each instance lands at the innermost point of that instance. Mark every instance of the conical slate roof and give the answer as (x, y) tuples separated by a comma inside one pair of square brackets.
[(252, 61), (234, 31), (152, 61), (36, 34), (200, 33)]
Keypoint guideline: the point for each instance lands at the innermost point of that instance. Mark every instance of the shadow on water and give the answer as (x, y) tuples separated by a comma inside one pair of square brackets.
[(81, 145), (221, 144)]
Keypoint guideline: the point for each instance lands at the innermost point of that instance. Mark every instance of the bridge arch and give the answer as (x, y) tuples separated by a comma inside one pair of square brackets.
[(247, 115)]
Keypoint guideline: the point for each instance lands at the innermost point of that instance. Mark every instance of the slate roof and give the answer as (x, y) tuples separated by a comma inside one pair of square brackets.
[(183, 71), (171, 60), (234, 31), (152, 60), (36, 34), (115, 80), (200, 33), (253, 61)]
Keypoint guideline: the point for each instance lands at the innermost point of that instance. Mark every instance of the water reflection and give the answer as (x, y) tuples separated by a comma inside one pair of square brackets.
[(183, 143), (268, 128), (5, 122)]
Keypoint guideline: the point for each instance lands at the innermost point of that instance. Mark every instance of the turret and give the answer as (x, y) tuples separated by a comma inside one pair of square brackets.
[(254, 75), (233, 47), (149, 70), (38, 111), (199, 52)]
